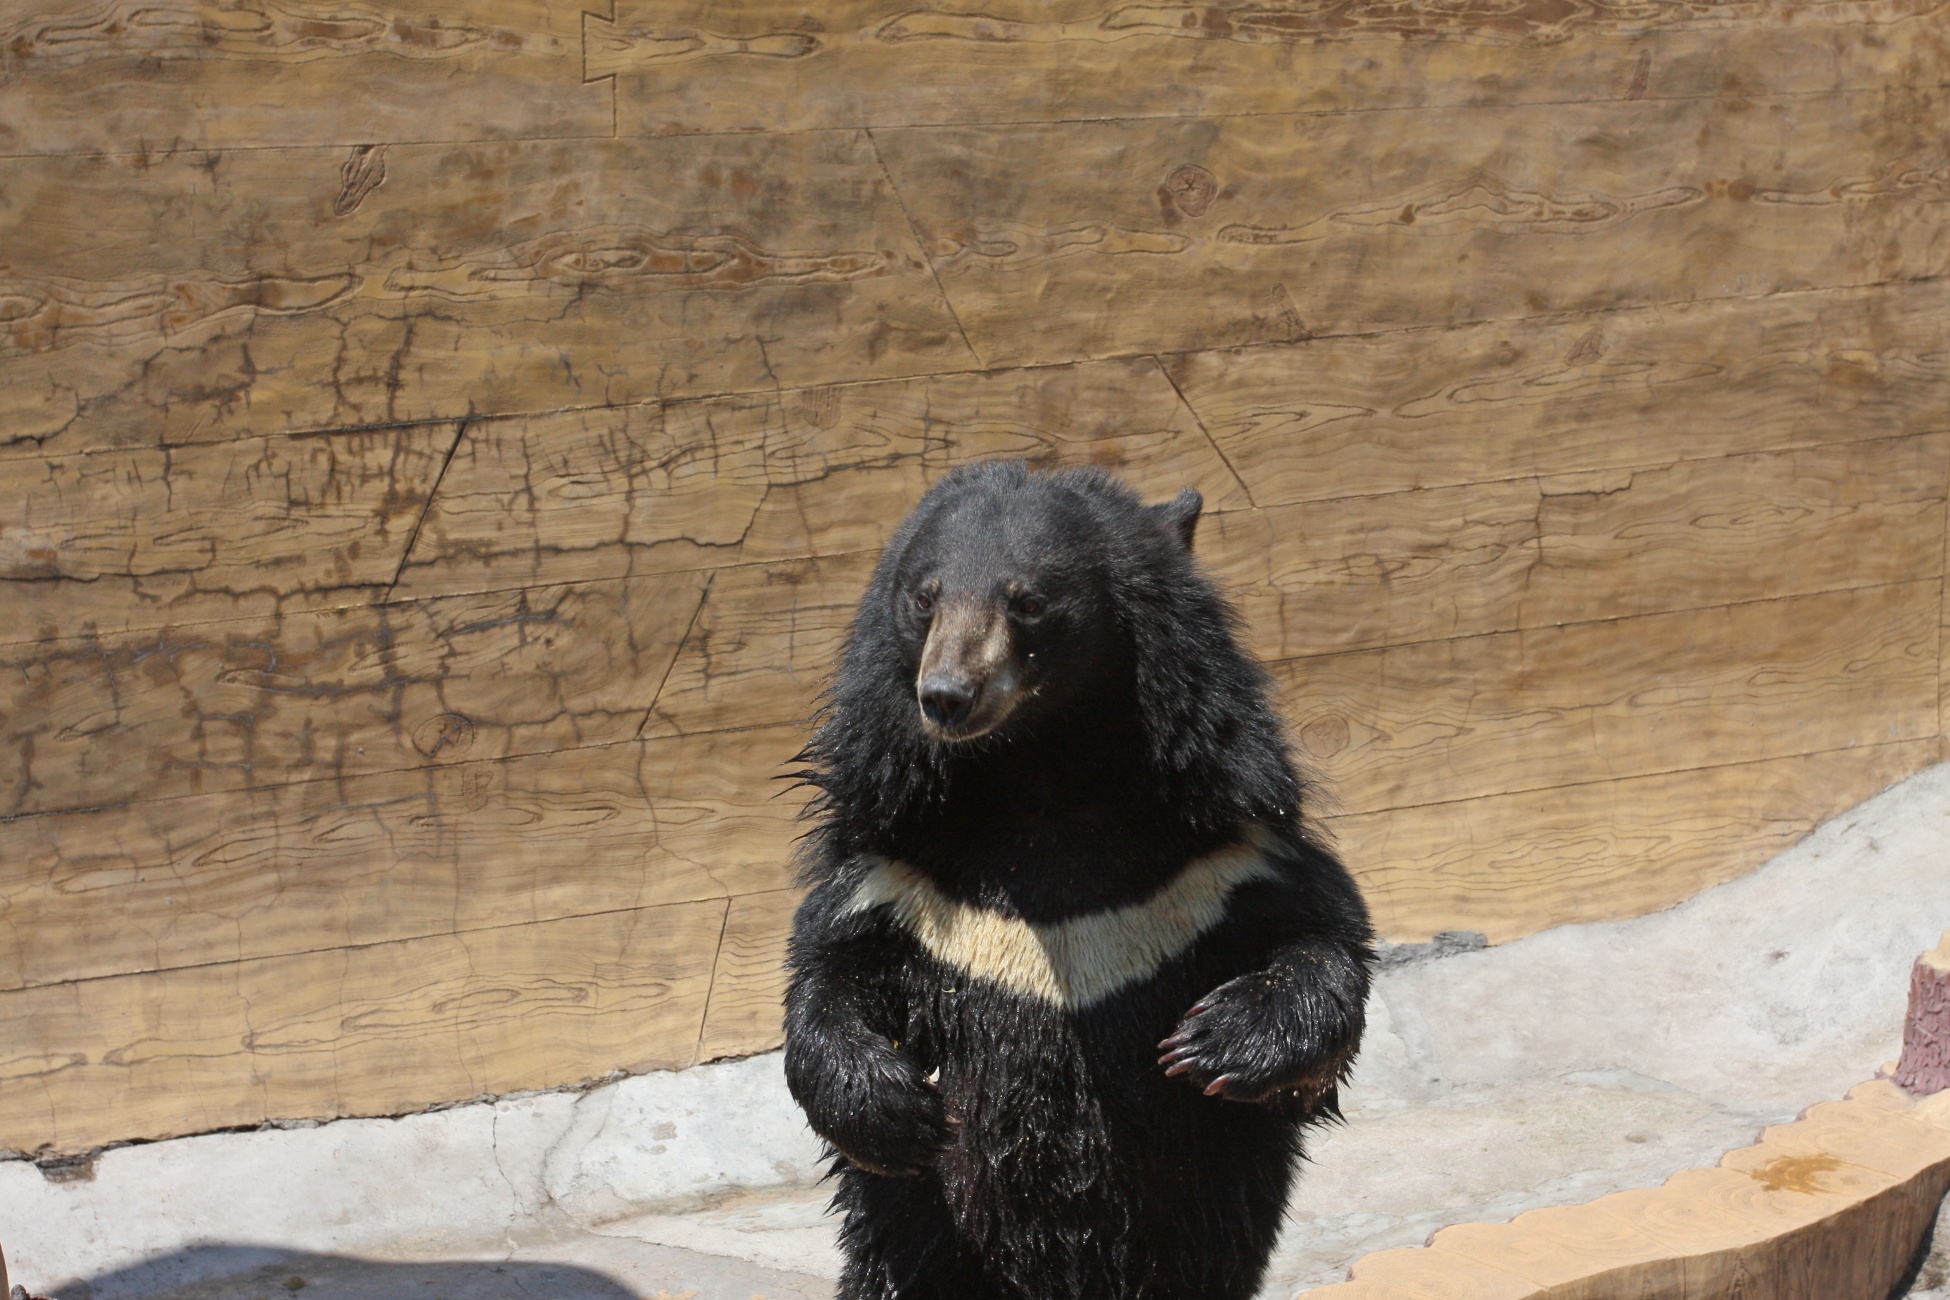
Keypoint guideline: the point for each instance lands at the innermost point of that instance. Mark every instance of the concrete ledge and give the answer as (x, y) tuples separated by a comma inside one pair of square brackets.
[(1833, 1205)]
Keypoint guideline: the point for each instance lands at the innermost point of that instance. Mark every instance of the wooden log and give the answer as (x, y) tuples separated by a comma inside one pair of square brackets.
[(105, 544), (1364, 222), (1540, 709), (776, 64), (1617, 391), (1925, 1064), (92, 721), (377, 1029), (451, 848), (227, 294), (1833, 1205), (1508, 865), (771, 477), (190, 75)]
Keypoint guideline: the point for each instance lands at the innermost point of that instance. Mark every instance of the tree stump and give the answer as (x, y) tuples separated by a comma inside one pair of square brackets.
[(1925, 1065)]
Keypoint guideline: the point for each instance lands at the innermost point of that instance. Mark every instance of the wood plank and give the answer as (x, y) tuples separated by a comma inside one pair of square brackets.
[(226, 293), (1508, 865), (587, 494), (706, 65), (373, 1030), (1325, 577), (1531, 710), (1053, 242), (748, 991), (215, 879), (335, 693), (1707, 532), (112, 543), (192, 73), (1621, 391), (1328, 576)]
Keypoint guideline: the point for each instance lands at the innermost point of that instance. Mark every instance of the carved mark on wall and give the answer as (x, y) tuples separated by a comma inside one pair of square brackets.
[(361, 174), (1192, 189)]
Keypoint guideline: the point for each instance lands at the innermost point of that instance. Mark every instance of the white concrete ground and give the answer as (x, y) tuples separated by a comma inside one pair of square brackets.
[(1555, 1069)]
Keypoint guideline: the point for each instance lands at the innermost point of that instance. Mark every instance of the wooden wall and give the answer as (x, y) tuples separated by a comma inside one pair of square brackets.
[(440, 448)]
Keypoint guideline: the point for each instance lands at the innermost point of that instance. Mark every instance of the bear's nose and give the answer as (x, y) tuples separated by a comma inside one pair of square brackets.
[(948, 701)]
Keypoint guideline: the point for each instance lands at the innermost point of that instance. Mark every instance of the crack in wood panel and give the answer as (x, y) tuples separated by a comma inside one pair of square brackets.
[(1615, 391), (748, 990), (1508, 865), (774, 65), (204, 73), (210, 879), (820, 471), (262, 527), (1542, 708), (336, 693), (221, 296), (1366, 222), (376, 1030)]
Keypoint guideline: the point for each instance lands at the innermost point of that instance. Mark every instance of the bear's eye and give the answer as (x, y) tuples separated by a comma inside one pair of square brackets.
[(1029, 606), (923, 601)]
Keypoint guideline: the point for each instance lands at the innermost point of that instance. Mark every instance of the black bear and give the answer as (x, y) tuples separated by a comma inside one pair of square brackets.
[(1073, 975)]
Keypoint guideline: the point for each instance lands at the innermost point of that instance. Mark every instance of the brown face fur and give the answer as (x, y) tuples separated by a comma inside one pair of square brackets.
[(969, 682)]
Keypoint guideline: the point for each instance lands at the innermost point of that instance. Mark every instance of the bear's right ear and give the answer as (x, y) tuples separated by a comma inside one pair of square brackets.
[(1180, 514)]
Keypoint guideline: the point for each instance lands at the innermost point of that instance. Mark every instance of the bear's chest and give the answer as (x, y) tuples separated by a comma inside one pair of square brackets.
[(1060, 1018)]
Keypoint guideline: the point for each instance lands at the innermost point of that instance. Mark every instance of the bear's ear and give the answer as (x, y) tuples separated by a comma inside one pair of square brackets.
[(1180, 514)]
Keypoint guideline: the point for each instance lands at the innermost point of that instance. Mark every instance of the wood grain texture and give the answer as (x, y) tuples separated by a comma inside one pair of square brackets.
[(1709, 532), (1508, 865), (326, 695), (586, 494), (201, 73), (1366, 222), (369, 1030), (225, 293), (1534, 710), (447, 849), (106, 544), (748, 990), (1626, 390), (781, 64)]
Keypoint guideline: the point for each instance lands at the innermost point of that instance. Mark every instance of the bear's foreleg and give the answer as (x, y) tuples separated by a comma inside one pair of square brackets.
[(859, 1091), (1285, 1032)]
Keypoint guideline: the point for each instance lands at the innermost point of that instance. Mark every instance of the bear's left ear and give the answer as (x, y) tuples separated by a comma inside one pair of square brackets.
[(1180, 514)]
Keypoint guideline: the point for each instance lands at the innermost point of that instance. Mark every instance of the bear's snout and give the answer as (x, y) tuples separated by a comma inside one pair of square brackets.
[(967, 686), (948, 701)]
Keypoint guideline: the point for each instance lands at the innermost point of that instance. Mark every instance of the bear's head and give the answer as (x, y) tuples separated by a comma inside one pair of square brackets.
[(1002, 596), (1013, 609)]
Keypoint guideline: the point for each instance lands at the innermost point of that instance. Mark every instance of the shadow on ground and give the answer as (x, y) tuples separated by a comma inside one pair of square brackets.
[(219, 1272)]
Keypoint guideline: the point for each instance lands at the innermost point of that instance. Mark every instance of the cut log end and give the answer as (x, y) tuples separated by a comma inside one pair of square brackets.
[(1925, 1065)]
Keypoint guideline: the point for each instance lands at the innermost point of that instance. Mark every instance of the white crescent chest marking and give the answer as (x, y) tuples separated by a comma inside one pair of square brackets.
[(1072, 963)]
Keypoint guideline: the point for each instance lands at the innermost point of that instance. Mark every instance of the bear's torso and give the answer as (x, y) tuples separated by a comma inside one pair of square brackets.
[(1076, 1167)]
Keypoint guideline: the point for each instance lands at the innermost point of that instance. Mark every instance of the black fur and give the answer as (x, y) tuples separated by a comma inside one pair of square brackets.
[(1059, 1152)]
